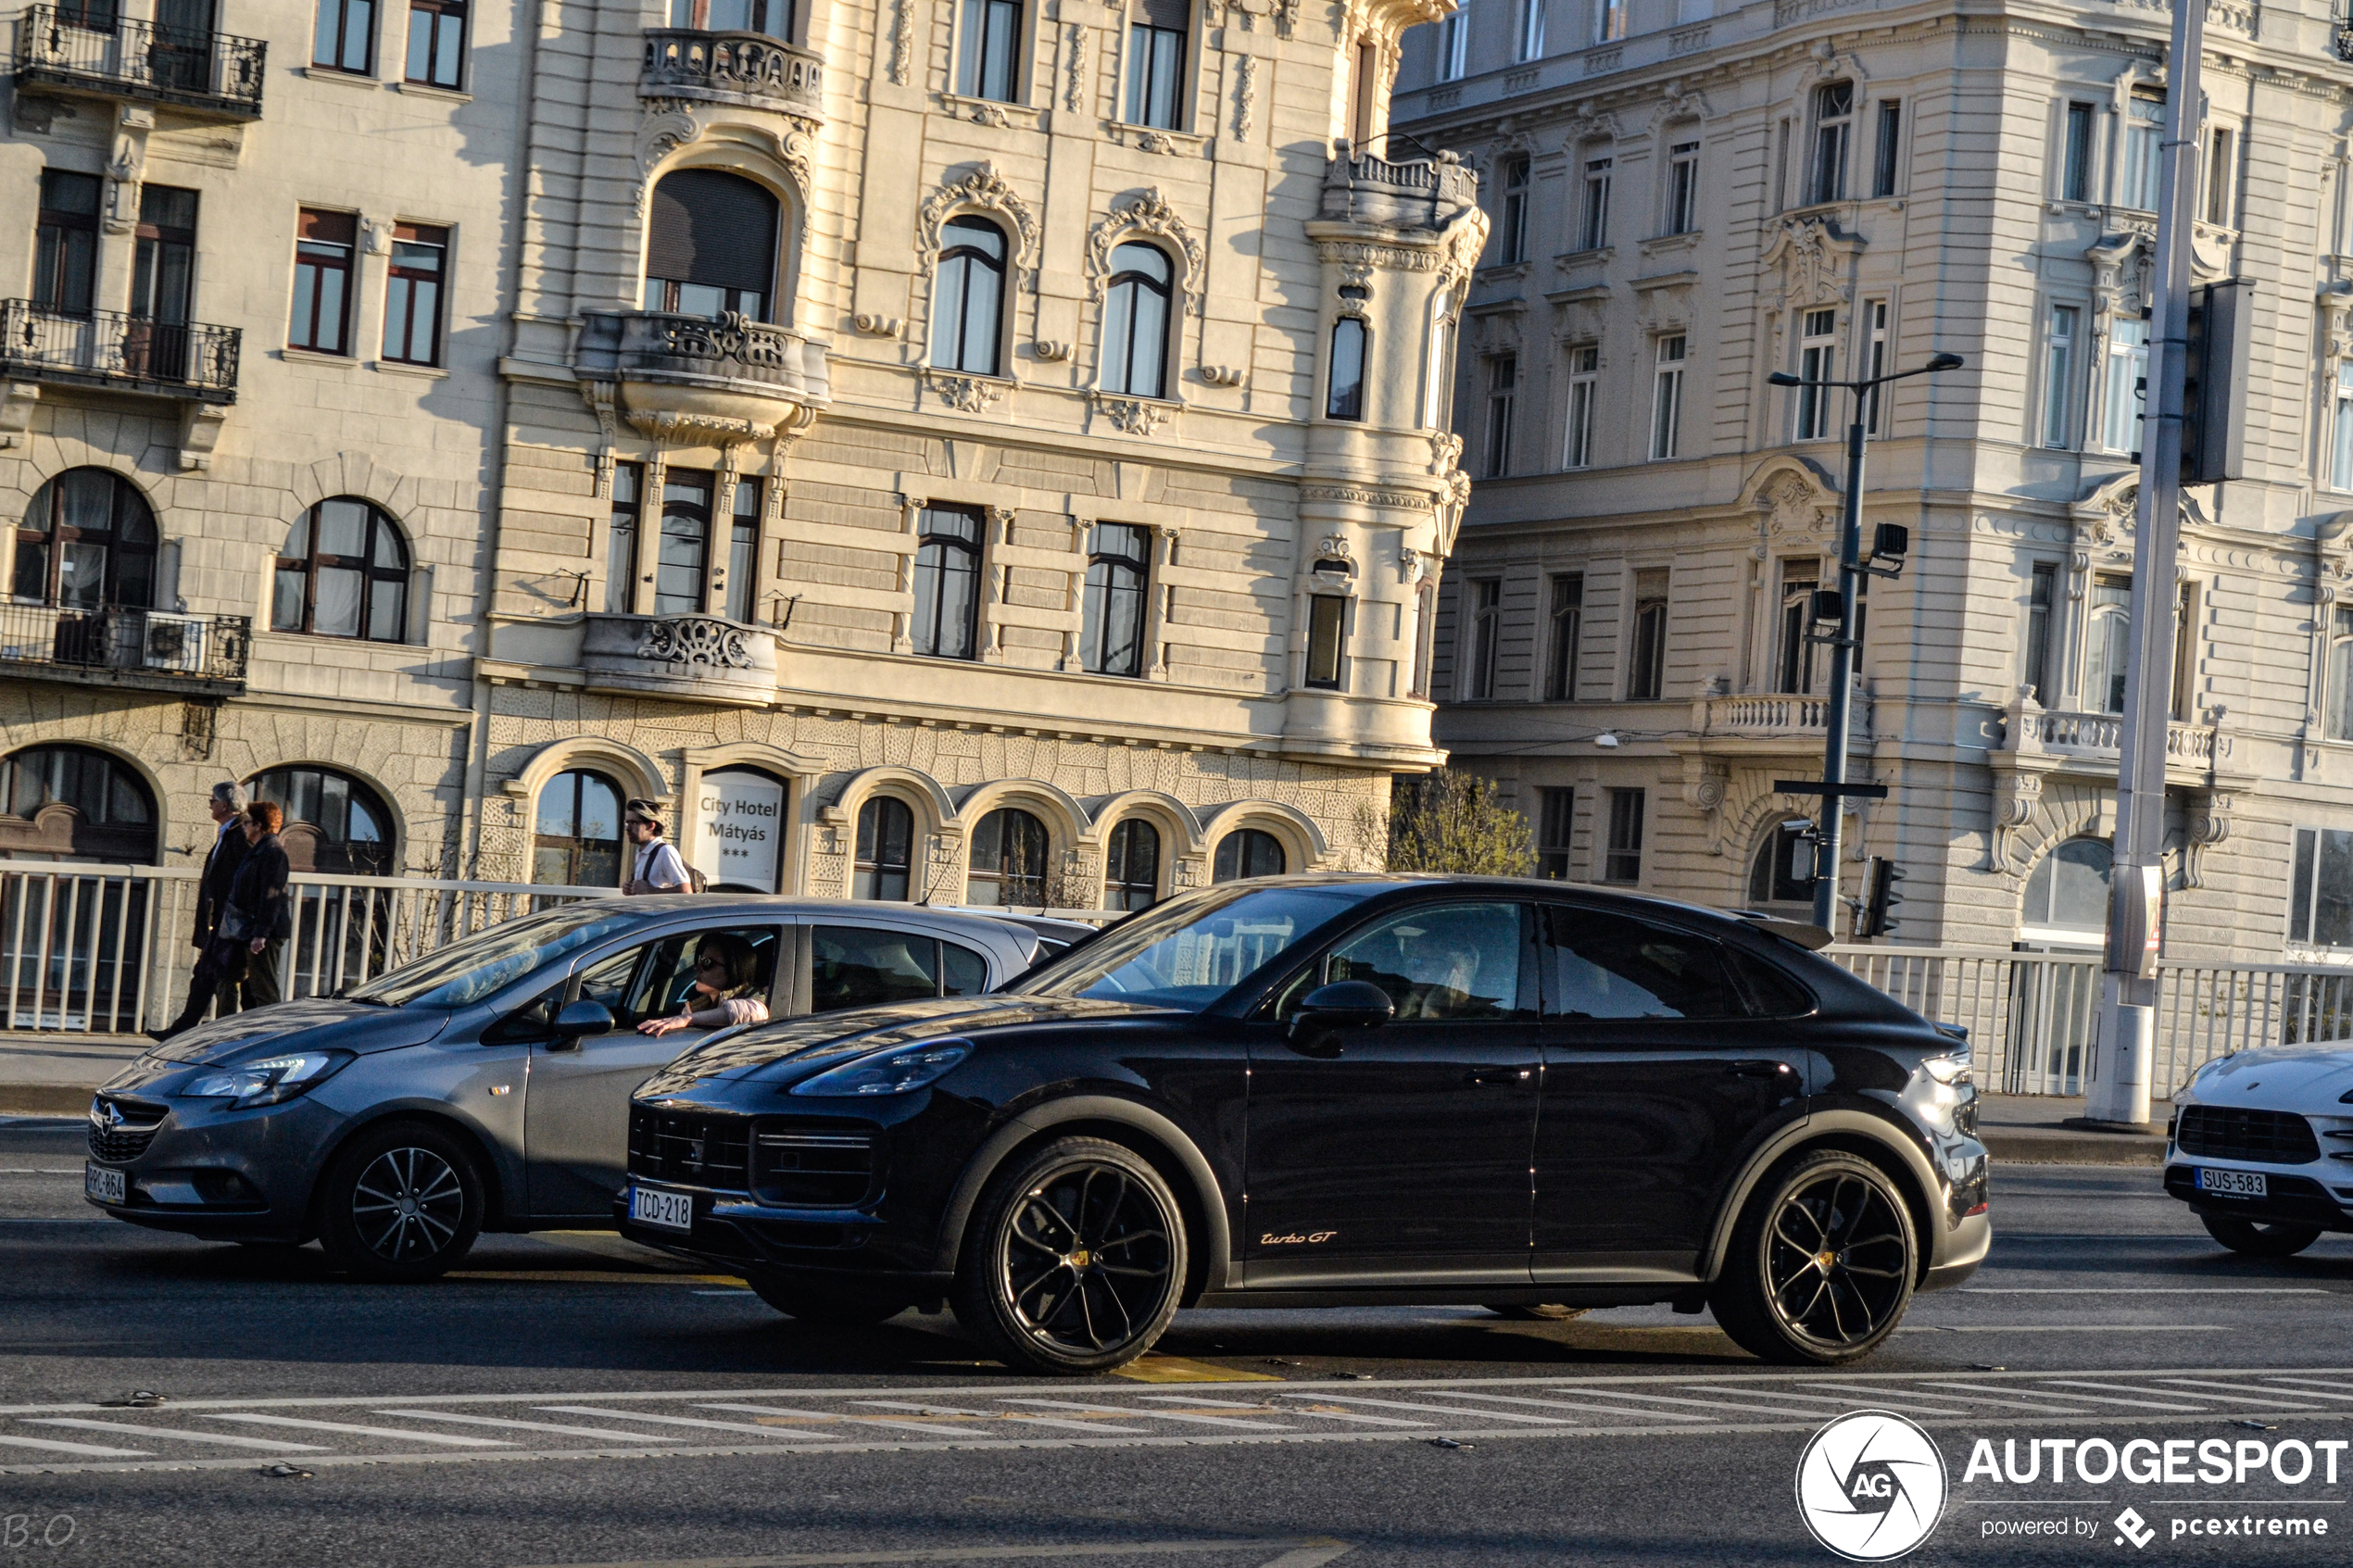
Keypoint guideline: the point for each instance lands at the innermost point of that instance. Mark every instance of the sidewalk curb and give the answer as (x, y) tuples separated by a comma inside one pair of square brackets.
[(2036, 1147), (45, 1099)]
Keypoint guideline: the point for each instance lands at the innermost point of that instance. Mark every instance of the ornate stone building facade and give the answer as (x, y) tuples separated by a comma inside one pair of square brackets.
[(1686, 203), (987, 451)]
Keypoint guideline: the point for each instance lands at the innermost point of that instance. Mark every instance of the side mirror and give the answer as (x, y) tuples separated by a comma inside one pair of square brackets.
[(1344, 1004), (578, 1018)]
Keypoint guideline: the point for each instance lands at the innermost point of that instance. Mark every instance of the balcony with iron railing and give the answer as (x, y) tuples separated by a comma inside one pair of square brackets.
[(109, 644), (108, 349), (1396, 183), (90, 52), (748, 69)]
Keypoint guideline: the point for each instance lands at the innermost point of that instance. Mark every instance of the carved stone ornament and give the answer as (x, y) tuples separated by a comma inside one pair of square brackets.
[(983, 190), (1815, 261), (1677, 102), (1147, 212), (668, 125), (1705, 781), (1589, 124), (1790, 504), (2210, 824), (2124, 270), (1334, 546), (1074, 67), (968, 395), (1133, 416), (695, 639)]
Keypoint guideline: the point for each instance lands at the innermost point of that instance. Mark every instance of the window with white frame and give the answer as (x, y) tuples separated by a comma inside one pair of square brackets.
[(1646, 669), (1453, 43), (2221, 165), (2058, 376), (2107, 632), (1503, 399), (1592, 232), (2341, 433), (2337, 703), (1817, 352), (1438, 361), (1683, 189), (1666, 399), (1566, 613), (1874, 363), (1486, 635), (1622, 861), (1793, 660), (1833, 127), (1529, 34), (2320, 907), (2128, 368), (1609, 20), (2042, 608), (1584, 385), (1884, 166), (2144, 168), (1511, 229)]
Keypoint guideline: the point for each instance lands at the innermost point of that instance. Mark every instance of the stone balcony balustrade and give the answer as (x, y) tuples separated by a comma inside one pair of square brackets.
[(693, 379), (746, 68), (693, 657)]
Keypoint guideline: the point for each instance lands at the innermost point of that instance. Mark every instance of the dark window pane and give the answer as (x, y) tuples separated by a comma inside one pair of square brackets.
[(1607, 966)]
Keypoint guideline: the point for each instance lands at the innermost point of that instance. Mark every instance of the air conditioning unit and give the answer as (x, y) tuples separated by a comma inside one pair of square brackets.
[(175, 643)]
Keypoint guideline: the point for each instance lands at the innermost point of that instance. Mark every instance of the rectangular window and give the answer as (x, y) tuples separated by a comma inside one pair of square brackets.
[(1683, 189), (2058, 378), (65, 245), (1486, 633), (1326, 618), (1780, 167), (1110, 637), (2107, 637), (1891, 137), (1593, 232), (1156, 63), (2320, 901), (2075, 168), (2041, 604), (743, 552), (2336, 701), (412, 293), (1344, 398), (1667, 400), (682, 569), (323, 247), (2128, 368), (1584, 385), (2341, 463), (1555, 825), (437, 42), (2186, 654), (345, 37), (988, 49), (1609, 20), (1503, 396), (2219, 169), (2144, 152), (621, 538), (1531, 31), (1453, 44), (1793, 663), (946, 578), (1424, 638), (1874, 362), (1833, 121), (1647, 674), (1511, 232), (1623, 861), (1565, 632), (1816, 362)]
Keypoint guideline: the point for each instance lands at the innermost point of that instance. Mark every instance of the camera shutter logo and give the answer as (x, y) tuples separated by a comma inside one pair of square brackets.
[(1871, 1485)]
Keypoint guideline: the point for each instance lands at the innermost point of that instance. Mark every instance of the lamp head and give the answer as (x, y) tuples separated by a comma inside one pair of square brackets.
[(1944, 362), (1605, 738), (1782, 377)]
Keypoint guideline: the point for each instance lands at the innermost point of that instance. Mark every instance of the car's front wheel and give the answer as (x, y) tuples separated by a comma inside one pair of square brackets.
[(399, 1203), (2258, 1240), (1822, 1263), (1074, 1261)]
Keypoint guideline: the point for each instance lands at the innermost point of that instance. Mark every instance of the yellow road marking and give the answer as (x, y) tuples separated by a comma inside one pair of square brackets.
[(1177, 1369)]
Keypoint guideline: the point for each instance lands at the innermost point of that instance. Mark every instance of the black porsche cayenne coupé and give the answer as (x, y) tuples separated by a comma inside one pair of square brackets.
[(1315, 1091)]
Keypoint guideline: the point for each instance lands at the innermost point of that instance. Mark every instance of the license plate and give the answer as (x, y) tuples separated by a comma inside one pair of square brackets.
[(2233, 1184), (670, 1210), (103, 1183)]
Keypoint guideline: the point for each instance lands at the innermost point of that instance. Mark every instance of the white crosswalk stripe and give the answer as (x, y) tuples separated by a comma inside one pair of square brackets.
[(443, 1438), (221, 1438), (1162, 1415), (603, 1433), (933, 1427), (782, 1433), (88, 1449)]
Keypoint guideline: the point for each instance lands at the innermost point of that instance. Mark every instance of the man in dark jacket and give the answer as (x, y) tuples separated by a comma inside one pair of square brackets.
[(254, 917), (228, 851)]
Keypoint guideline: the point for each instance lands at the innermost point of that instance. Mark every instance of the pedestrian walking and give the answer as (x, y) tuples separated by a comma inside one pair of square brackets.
[(221, 862), (260, 916), (660, 868)]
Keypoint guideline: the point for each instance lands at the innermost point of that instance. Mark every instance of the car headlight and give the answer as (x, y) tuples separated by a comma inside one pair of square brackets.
[(270, 1080), (902, 1070), (1948, 1069)]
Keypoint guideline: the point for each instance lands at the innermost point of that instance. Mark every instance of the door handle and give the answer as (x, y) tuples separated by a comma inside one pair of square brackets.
[(1503, 1076), (1756, 1069)]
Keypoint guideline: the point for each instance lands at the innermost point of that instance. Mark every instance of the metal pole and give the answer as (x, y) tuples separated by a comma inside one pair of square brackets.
[(1850, 577), (2118, 1090)]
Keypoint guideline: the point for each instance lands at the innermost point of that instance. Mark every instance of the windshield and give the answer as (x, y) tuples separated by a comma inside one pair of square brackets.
[(468, 971), (1190, 952)]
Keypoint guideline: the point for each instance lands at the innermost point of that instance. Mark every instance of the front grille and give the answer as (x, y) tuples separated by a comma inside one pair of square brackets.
[(813, 1168), (2263, 1137), (121, 1130), (690, 1147)]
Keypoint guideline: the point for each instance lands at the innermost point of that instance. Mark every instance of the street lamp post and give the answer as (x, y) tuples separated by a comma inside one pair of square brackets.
[(1834, 787)]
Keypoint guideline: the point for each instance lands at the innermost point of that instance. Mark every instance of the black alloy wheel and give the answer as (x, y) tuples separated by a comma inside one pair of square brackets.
[(828, 1306), (400, 1203), (1823, 1263), (2258, 1239), (1074, 1261)]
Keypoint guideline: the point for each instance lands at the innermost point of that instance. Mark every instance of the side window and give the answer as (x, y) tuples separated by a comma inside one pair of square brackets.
[(857, 966), (527, 1024), (655, 980), (1773, 994), (1443, 963), (1606, 966), (962, 971), (608, 981)]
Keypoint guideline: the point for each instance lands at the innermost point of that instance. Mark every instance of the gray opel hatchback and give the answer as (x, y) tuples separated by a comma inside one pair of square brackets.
[(485, 1086)]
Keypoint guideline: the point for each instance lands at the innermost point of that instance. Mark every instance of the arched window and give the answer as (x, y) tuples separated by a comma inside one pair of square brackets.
[(948, 584), (69, 802), (710, 246), (576, 835), (1131, 866), (344, 573), (2067, 897), (88, 541), (1136, 322), (968, 306), (1783, 869), (1008, 860), (1247, 852), (1351, 341), (885, 865), (333, 822)]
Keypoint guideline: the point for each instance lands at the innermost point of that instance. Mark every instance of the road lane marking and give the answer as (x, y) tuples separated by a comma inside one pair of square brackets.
[(2256, 1388), (840, 1417), (1984, 1396), (777, 1432), (89, 1450), (1848, 1402), (1290, 1410), (346, 1426), (1580, 1406), (1163, 1415), (915, 1409), (2144, 1290), (219, 1437), (1296, 1553), (2311, 1382), (1709, 1404), (1432, 1410), (1180, 1369), (608, 1434), (1074, 1426), (2110, 1390)]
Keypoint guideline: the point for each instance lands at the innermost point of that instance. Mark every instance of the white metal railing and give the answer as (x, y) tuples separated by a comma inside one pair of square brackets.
[(104, 949), (2033, 1018)]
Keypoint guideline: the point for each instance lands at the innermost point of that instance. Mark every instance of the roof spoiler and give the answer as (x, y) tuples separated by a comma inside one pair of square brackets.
[(1805, 935)]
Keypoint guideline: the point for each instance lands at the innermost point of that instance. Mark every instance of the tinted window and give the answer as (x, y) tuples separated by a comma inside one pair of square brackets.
[(856, 966), (1774, 994), (1440, 963), (1607, 966), (1188, 952), (965, 972), (468, 971)]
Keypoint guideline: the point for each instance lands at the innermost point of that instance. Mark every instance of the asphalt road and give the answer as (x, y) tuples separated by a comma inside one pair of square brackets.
[(573, 1400)]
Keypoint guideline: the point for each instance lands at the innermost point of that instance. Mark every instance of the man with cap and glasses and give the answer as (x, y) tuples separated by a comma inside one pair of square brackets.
[(658, 867)]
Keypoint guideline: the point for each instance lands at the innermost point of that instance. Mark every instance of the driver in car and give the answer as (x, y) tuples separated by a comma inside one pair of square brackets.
[(727, 988)]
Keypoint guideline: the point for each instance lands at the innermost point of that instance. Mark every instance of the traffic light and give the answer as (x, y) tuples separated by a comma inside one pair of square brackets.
[(1871, 918), (2221, 333)]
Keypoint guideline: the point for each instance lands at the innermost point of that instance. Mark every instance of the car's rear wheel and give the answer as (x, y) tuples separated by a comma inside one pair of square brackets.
[(1550, 1311), (399, 1203), (2260, 1240), (1074, 1260), (1821, 1264), (828, 1305)]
